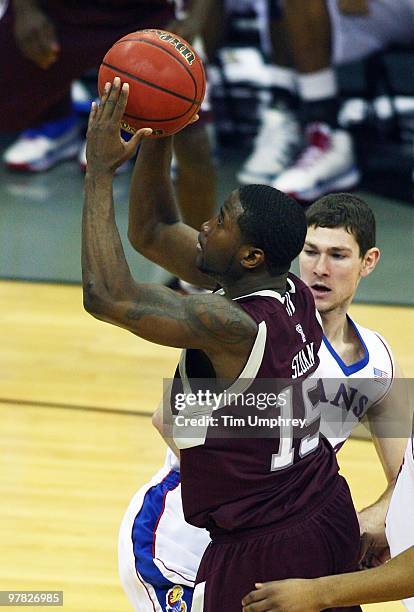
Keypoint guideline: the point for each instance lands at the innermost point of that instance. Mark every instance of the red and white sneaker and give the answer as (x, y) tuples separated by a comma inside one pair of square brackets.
[(326, 164)]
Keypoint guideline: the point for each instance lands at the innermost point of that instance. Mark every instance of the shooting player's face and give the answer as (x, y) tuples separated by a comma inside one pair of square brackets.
[(219, 241), (331, 265)]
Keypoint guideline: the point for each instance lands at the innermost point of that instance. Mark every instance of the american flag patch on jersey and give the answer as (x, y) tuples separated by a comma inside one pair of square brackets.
[(380, 376)]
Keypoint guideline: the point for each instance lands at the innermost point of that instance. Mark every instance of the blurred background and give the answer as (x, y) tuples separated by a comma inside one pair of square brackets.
[(374, 97)]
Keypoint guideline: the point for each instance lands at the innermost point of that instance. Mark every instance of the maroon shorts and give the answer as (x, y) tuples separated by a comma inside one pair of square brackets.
[(324, 541), (30, 95)]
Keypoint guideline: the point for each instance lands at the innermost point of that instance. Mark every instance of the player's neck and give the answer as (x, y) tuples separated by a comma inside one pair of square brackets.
[(249, 284), (336, 326)]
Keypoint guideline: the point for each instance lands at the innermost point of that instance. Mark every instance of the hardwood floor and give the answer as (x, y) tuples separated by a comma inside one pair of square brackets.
[(77, 440)]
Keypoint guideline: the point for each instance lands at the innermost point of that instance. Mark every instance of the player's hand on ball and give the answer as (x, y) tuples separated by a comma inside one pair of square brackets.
[(106, 150), (294, 595)]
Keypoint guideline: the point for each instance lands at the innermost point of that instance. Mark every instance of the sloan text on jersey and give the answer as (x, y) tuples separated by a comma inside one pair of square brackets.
[(303, 360)]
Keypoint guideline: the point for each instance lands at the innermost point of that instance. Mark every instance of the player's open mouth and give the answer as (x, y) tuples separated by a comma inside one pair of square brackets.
[(319, 288)]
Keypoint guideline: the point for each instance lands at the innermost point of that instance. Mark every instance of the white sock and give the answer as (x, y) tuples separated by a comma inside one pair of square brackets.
[(317, 85), (279, 76)]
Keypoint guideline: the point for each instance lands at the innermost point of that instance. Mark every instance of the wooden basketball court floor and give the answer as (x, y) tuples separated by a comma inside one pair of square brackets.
[(77, 441)]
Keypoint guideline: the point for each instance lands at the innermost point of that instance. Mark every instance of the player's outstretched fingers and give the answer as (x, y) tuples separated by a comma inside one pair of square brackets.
[(255, 601), (92, 114), (111, 102), (257, 606), (102, 101), (119, 108)]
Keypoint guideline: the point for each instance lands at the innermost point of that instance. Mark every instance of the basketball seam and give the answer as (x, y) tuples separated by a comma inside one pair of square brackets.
[(170, 53), (154, 85)]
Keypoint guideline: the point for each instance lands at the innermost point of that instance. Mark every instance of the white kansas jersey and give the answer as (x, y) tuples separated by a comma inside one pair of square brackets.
[(347, 392), (400, 517), (158, 552)]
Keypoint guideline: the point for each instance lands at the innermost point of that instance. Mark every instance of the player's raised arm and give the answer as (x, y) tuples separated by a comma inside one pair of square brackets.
[(209, 322), (154, 227)]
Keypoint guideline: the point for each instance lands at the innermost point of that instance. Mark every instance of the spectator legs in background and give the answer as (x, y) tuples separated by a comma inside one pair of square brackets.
[(318, 157), (326, 162), (278, 140)]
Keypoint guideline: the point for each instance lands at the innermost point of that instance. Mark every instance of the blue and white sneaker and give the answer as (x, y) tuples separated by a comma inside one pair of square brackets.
[(276, 146), (41, 148), (326, 164)]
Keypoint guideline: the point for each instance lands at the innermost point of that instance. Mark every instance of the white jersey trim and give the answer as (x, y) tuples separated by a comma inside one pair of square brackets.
[(318, 317), (263, 293), (254, 361), (245, 378)]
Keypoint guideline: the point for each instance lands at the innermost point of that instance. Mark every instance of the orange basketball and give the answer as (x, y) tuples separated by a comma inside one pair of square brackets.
[(166, 80)]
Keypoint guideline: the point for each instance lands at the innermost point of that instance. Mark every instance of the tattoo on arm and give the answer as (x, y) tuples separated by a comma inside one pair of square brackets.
[(222, 322), (203, 318), (156, 302)]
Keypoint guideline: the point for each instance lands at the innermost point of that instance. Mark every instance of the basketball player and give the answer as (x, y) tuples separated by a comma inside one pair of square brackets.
[(394, 580), (264, 493), (339, 251)]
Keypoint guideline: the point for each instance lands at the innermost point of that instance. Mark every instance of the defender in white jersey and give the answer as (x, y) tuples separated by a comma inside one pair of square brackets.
[(339, 251), (348, 391), (393, 580)]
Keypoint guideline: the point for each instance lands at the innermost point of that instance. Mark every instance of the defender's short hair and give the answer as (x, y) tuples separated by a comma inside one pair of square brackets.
[(274, 222), (347, 211)]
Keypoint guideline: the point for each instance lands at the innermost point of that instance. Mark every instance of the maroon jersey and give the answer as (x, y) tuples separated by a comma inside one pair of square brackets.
[(252, 455)]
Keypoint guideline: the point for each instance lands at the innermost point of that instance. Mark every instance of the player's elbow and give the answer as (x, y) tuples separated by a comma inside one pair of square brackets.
[(91, 306), (99, 309), (93, 301)]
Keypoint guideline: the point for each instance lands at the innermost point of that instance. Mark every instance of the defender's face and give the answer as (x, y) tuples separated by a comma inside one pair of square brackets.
[(330, 264), (220, 239)]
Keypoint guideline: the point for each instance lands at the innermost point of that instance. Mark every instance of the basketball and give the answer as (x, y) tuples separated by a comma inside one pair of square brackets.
[(166, 80)]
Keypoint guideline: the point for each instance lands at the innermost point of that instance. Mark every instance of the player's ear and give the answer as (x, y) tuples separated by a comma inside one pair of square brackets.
[(252, 257), (370, 260)]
